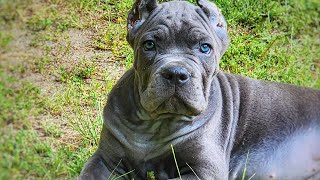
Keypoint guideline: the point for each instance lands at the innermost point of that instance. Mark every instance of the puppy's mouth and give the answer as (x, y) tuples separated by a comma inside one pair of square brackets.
[(176, 106), (175, 116)]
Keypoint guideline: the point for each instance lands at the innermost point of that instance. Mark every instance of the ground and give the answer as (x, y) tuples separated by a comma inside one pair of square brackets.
[(60, 59)]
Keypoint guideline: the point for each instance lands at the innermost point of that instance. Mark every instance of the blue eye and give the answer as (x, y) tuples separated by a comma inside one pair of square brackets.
[(205, 48), (149, 45)]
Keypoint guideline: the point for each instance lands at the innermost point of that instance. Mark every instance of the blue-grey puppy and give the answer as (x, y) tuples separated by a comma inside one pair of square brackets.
[(176, 95)]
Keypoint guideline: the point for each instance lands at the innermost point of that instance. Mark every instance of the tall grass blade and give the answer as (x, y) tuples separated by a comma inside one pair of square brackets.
[(193, 171), (110, 176), (252, 176), (245, 167), (175, 160), (123, 175)]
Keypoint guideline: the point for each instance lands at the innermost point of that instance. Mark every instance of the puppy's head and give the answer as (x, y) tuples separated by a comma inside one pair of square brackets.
[(177, 49)]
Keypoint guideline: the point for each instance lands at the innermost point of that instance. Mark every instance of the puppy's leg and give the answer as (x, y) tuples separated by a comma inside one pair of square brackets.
[(95, 168)]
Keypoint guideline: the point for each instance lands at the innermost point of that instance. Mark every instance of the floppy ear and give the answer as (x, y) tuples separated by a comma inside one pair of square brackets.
[(218, 22), (140, 11)]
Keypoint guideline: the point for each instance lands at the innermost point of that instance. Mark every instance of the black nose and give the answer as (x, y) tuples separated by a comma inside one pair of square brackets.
[(176, 75)]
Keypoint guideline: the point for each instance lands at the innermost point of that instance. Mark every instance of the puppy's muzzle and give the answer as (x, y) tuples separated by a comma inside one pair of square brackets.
[(176, 75)]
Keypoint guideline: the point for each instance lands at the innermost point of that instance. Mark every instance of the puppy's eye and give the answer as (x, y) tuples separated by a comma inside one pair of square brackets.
[(149, 45), (205, 48)]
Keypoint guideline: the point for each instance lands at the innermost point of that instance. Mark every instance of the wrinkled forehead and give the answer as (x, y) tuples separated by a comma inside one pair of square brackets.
[(179, 13), (178, 17)]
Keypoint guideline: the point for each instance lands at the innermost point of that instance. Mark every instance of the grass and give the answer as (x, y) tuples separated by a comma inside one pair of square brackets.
[(175, 160), (19, 101), (4, 40), (273, 40), (21, 149), (54, 84), (245, 168)]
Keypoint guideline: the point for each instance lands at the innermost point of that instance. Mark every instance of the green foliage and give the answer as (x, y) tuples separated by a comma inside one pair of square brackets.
[(114, 38), (9, 10), (42, 63), (52, 130), (25, 155), (83, 70), (88, 128), (38, 24), (18, 101), (269, 40), (23, 152), (50, 17), (4, 40), (150, 175)]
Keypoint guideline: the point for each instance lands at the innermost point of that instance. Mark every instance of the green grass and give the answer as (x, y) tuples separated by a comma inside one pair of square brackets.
[(114, 36), (4, 40), (50, 128), (273, 40), (19, 101), (22, 152)]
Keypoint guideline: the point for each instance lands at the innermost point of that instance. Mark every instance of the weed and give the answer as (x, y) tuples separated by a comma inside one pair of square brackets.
[(78, 73), (38, 24), (40, 65), (9, 11), (150, 175), (18, 101), (52, 130), (88, 128), (49, 17), (4, 39), (25, 155), (115, 40)]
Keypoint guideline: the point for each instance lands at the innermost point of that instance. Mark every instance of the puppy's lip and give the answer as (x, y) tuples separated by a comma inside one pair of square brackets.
[(175, 115)]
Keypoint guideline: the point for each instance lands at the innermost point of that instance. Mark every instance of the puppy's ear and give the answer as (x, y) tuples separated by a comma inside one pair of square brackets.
[(218, 22), (140, 11)]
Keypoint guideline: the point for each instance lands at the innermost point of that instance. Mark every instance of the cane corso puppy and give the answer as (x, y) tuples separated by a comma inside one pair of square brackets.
[(216, 122)]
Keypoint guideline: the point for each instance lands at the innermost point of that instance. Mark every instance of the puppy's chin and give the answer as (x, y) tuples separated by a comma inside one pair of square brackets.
[(176, 108)]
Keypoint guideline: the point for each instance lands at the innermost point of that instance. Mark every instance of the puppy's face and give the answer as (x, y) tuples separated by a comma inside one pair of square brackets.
[(177, 52)]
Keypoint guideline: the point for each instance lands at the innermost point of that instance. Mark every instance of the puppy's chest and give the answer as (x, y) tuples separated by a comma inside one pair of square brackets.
[(153, 139)]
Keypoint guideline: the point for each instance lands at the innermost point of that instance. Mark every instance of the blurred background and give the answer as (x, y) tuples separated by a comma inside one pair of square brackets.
[(59, 60)]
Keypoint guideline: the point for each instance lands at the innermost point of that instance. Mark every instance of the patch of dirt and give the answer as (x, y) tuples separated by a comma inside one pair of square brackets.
[(18, 52), (19, 58)]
